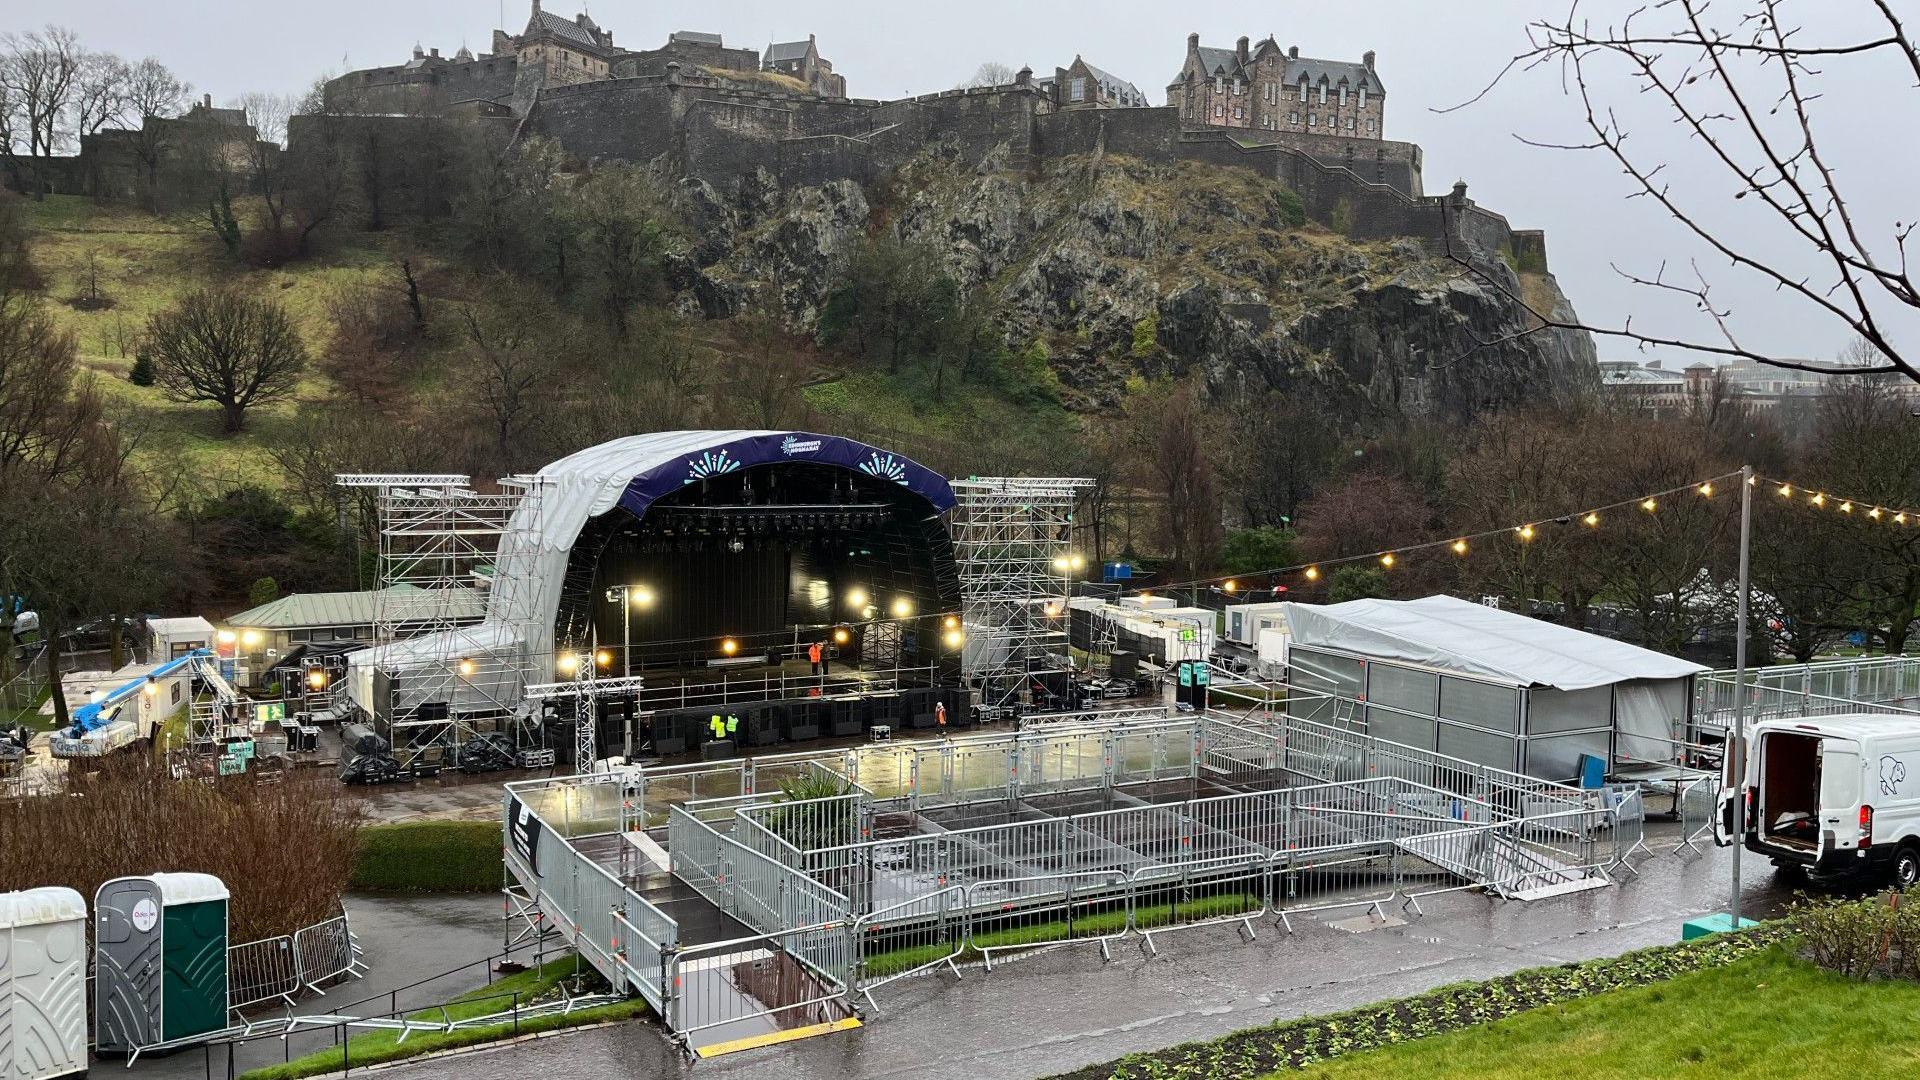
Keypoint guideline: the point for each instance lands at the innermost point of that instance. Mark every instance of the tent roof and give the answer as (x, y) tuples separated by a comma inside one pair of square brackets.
[(1472, 639), (305, 610)]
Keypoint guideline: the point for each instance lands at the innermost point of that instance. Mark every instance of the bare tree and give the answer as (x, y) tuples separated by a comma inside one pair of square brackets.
[(223, 346), (152, 92), (509, 377), (38, 70), (1745, 87), (100, 91), (991, 73)]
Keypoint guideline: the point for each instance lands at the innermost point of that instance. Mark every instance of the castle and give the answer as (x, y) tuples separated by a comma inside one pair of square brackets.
[(705, 110)]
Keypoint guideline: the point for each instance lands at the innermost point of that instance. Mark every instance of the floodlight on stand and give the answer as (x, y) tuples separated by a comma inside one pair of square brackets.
[(641, 595)]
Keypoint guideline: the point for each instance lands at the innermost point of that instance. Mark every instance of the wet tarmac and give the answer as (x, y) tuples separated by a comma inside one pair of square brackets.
[(404, 939), (1063, 1009)]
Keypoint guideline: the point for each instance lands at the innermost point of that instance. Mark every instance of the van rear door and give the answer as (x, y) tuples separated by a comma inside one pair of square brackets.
[(1840, 795)]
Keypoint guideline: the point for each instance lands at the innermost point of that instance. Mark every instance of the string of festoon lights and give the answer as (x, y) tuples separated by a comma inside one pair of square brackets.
[(1591, 518), (1819, 499)]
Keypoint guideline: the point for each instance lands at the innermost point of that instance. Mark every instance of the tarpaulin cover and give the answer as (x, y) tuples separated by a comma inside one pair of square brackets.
[(1456, 635)]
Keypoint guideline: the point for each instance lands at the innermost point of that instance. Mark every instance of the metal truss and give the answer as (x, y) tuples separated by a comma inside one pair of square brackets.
[(438, 540), (1010, 538)]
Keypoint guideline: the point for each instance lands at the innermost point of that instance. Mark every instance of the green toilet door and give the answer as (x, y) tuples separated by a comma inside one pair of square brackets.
[(194, 981)]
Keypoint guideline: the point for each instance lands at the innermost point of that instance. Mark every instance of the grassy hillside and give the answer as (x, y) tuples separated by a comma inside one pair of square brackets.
[(143, 264)]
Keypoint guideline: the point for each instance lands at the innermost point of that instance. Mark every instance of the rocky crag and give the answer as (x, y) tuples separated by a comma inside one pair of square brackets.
[(1124, 269)]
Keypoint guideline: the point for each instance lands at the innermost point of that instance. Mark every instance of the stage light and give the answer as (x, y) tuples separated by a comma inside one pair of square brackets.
[(951, 622), (1145, 596), (466, 667), (1459, 547), (902, 607), (1052, 609), (569, 664), (1077, 562), (856, 598), (955, 639), (729, 646), (1061, 564), (316, 678), (641, 596), (250, 638), (604, 658), (841, 635)]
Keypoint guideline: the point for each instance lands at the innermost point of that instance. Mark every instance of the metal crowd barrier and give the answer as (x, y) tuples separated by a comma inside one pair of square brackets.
[(278, 968)]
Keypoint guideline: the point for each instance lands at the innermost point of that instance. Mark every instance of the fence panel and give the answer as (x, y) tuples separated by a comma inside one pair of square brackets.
[(326, 951), (262, 971)]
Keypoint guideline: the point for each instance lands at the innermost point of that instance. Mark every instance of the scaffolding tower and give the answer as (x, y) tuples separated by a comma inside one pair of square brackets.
[(1012, 537), (459, 676)]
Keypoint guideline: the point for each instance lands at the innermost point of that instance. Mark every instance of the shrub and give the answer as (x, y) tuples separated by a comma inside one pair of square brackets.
[(141, 374), (430, 856), (1862, 939), (284, 850), (264, 590)]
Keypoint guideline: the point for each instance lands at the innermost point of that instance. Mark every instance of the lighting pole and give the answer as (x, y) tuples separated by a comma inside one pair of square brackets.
[(1737, 745)]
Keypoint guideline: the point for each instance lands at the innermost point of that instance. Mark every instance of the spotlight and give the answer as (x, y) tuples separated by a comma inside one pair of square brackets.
[(641, 596), (729, 646), (603, 658), (1052, 609), (1061, 563), (902, 607), (316, 678), (1706, 490), (856, 598), (1078, 562), (466, 667), (736, 545), (250, 638), (954, 639), (1650, 505), (569, 664), (952, 622), (842, 635)]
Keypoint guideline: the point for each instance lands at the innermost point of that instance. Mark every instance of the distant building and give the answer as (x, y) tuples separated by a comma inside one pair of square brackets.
[(572, 50), (802, 60), (1262, 88), (1763, 387), (330, 620), (1080, 85)]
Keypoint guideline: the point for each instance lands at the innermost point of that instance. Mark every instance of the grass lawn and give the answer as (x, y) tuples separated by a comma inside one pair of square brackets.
[(1769, 1015), (373, 1047)]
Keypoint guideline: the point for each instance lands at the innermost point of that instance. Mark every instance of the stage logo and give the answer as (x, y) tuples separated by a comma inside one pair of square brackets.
[(709, 465), (791, 446), (884, 467)]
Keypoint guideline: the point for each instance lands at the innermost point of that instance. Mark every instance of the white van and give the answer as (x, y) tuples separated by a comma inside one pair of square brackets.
[(1834, 794)]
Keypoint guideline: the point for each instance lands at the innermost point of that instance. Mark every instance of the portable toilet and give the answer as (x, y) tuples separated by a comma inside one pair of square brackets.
[(43, 984), (160, 960)]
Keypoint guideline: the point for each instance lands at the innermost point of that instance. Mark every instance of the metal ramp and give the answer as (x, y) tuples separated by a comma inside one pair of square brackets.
[(1506, 866), (753, 998)]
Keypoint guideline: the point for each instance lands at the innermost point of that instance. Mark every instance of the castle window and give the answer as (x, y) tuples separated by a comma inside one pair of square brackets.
[(1349, 123), (1303, 88), (1219, 110), (1313, 119), (1343, 94), (1369, 127), (1293, 117), (1363, 97), (1323, 93), (1079, 89), (1239, 113)]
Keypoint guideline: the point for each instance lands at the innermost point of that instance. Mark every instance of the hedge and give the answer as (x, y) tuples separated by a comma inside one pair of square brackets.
[(429, 856)]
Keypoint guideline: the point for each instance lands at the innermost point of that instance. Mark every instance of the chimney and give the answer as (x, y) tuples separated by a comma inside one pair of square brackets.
[(206, 101), (1293, 52), (1240, 49), (1367, 59), (436, 54), (1193, 42), (1024, 77)]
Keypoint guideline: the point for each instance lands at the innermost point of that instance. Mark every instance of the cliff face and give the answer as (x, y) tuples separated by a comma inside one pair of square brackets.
[(1125, 269)]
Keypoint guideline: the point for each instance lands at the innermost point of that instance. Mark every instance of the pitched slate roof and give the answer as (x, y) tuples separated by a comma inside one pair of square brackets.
[(565, 29), (1117, 88), (695, 37), (1219, 61), (1333, 71), (787, 50)]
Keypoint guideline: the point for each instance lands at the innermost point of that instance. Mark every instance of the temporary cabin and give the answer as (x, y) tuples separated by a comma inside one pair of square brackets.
[(43, 984), (1162, 636), (160, 960), (1245, 622), (1490, 686), (170, 639)]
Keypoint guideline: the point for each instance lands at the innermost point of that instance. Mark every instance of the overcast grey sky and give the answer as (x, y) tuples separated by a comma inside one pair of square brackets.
[(1431, 53)]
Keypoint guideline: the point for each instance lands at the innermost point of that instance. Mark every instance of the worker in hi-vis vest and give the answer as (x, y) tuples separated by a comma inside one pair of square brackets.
[(813, 655), (733, 725), (940, 714), (719, 726)]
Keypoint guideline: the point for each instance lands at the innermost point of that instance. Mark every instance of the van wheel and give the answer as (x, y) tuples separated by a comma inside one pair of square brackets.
[(1906, 867)]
